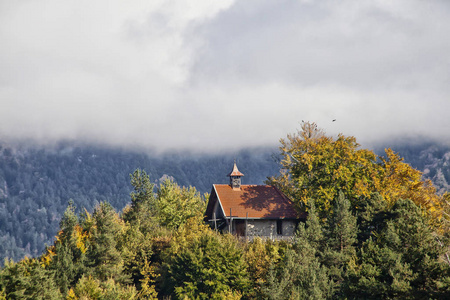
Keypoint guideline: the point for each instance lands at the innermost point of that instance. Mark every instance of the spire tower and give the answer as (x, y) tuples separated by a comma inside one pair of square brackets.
[(235, 177)]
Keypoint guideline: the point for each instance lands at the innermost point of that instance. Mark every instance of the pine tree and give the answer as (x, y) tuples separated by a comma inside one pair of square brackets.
[(64, 265), (371, 213), (104, 259), (299, 275), (341, 233), (311, 233), (402, 260), (142, 209), (409, 233), (28, 279), (68, 258), (380, 274), (341, 227)]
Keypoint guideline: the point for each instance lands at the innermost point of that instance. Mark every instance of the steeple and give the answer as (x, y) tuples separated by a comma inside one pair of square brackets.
[(235, 177)]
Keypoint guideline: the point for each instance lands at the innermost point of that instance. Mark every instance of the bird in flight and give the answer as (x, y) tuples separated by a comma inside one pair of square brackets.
[(334, 120)]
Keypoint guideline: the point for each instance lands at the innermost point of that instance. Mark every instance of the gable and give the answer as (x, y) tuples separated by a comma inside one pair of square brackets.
[(213, 205)]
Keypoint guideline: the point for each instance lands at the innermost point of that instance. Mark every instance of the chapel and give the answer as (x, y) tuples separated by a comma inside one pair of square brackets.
[(251, 210)]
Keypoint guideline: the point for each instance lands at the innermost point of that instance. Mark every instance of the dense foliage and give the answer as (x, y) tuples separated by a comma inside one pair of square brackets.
[(374, 230), (316, 166), (37, 183), (374, 252)]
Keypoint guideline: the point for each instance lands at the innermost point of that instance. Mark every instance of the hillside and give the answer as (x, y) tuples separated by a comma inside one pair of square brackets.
[(36, 183), (387, 245)]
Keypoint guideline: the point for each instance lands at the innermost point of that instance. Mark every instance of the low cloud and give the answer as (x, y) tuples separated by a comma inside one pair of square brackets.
[(207, 76)]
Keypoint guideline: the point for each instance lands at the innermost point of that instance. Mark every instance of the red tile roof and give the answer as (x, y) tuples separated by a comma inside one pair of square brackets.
[(259, 201)]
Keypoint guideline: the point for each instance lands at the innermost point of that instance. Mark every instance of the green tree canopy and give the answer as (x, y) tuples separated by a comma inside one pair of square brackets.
[(203, 264), (175, 204), (104, 259), (403, 260), (142, 208), (317, 166)]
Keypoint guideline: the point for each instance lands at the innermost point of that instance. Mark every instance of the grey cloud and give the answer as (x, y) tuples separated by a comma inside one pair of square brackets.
[(361, 45), (173, 75), (380, 67)]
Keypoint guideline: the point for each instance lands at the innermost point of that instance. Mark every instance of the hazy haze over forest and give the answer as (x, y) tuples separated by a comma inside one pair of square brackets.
[(222, 74)]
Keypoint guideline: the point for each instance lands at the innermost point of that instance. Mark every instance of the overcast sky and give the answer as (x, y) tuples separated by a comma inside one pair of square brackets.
[(222, 74)]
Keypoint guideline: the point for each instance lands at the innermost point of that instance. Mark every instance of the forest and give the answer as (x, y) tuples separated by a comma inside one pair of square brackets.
[(36, 184), (376, 229)]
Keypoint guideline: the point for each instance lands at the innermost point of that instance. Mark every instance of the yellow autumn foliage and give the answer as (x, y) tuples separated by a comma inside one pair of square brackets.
[(81, 237), (46, 258), (316, 166)]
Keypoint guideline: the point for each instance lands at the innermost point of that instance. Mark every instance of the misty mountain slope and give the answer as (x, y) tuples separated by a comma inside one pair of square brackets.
[(431, 158), (37, 183), (435, 165)]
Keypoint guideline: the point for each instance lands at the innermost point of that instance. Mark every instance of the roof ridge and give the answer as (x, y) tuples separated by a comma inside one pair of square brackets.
[(281, 194)]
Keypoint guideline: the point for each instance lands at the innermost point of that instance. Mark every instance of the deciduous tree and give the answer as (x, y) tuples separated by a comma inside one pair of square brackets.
[(317, 166), (175, 204), (203, 264)]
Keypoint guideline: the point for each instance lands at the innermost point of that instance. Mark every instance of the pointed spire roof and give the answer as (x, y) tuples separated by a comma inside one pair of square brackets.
[(235, 171)]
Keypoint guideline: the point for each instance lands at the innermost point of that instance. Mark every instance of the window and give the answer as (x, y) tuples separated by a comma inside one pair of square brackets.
[(279, 227)]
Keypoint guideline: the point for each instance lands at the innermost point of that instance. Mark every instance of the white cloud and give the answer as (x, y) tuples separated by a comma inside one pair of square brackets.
[(222, 74)]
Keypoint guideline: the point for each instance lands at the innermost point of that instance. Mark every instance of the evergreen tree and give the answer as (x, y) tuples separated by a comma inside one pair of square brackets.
[(143, 200), (371, 213), (67, 260), (299, 275), (28, 279), (136, 250), (404, 261), (104, 259), (341, 233), (203, 264), (409, 233), (380, 274), (136, 241), (64, 265), (341, 227), (311, 233)]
